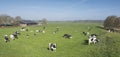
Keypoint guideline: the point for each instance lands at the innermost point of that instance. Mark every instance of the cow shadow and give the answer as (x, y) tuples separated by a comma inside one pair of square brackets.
[(85, 42), (48, 49)]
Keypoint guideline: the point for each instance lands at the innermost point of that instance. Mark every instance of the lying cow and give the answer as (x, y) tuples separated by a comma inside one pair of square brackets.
[(92, 39), (67, 36), (52, 46)]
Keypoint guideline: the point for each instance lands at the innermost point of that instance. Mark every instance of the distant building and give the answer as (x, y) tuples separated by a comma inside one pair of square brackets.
[(24, 23)]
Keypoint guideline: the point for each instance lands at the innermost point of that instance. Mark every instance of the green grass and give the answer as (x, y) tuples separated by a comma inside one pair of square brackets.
[(36, 46)]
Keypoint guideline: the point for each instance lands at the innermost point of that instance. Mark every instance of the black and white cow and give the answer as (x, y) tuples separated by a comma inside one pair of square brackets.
[(6, 38), (93, 35), (43, 31), (111, 30), (15, 35), (27, 35), (35, 34), (12, 37), (86, 33), (57, 29), (44, 28), (93, 39), (27, 30), (55, 32), (23, 29), (37, 30), (67, 36), (18, 33), (52, 46)]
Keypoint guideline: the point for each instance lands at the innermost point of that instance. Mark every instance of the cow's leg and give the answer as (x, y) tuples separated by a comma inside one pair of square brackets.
[(49, 46), (5, 40), (94, 42), (89, 41), (53, 49)]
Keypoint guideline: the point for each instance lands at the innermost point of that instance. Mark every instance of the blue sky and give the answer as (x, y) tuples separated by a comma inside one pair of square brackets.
[(60, 9)]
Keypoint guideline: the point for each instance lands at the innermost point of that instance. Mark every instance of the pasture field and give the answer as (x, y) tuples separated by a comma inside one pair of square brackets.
[(36, 46)]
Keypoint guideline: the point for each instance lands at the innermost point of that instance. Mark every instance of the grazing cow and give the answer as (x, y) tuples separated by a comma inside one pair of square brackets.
[(86, 33), (111, 30), (31, 31), (52, 46), (6, 38), (43, 31), (67, 36), (35, 34), (27, 30), (23, 29), (37, 30), (16, 32), (54, 32), (15, 35), (92, 39), (27, 36), (44, 27), (12, 37), (57, 29)]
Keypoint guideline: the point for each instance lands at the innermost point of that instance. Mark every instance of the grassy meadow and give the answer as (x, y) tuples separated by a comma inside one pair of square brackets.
[(36, 46)]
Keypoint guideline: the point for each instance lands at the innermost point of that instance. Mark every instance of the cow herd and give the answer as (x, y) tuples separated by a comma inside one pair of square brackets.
[(51, 46), (12, 36)]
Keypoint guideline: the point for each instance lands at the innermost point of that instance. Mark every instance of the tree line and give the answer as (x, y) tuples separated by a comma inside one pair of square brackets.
[(8, 20)]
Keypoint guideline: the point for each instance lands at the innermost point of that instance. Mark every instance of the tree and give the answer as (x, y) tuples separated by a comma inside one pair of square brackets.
[(17, 20), (5, 19), (44, 21), (8, 20), (112, 22), (119, 21)]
